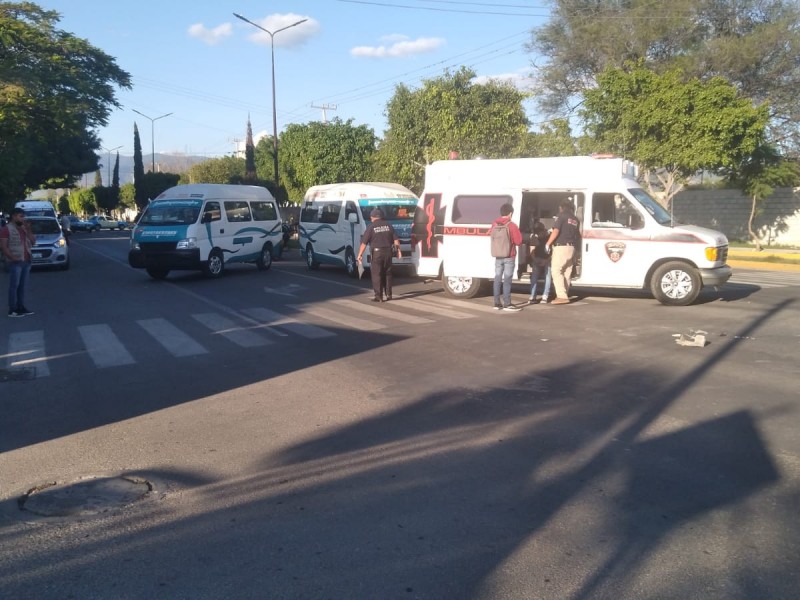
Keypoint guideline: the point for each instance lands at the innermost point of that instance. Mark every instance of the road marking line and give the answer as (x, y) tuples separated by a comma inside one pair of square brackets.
[(175, 341), (104, 347), (381, 311), (305, 330), (433, 308), (26, 350), (230, 331), (338, 317)]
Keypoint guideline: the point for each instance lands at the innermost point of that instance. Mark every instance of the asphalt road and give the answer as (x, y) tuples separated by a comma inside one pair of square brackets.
[(302, 442)]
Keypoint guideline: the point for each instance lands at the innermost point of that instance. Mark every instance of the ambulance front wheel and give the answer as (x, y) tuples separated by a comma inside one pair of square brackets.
[(675, 284), (461, 287)]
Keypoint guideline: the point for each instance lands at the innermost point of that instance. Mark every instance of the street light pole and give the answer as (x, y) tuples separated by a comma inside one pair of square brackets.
[(272, 35), (152, 134), (108, 182)]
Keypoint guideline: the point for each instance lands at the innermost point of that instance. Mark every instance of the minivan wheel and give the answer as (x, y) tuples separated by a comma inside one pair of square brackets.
[(264, 260), (215, 264), (675, 284), (157, 273), (350, 263), (311, 261), (461, 287)]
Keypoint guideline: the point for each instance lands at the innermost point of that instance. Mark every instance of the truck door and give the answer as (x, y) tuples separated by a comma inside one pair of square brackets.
[(615, 249)]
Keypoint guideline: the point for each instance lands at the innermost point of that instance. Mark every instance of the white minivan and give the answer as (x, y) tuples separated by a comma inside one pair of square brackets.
[(205, 227), (333, 218), (628, 240), (37, 208)]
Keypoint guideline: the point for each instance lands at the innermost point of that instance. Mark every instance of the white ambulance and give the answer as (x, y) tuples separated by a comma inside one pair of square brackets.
[(628, 239), (206, 226), (333, 218)]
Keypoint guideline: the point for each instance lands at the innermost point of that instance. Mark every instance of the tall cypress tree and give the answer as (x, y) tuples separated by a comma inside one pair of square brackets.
[(98, 178), (115, 174), (249, 156), (138, 171)]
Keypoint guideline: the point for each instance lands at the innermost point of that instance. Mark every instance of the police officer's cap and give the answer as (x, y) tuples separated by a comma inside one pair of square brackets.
[(376, 213)]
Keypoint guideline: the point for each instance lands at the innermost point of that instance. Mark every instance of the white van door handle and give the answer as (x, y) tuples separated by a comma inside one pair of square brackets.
[(222, 231)]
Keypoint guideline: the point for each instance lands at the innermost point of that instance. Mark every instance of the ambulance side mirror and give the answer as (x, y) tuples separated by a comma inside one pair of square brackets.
[(635, 221), (352, 218)]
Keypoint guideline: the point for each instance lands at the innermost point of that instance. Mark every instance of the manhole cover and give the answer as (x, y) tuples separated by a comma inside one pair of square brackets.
[(84, 497)]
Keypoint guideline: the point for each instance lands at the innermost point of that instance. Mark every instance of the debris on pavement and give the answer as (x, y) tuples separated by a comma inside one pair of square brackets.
[(693, 338)]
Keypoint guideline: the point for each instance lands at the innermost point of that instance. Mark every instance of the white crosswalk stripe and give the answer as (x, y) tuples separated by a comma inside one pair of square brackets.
[(104, 347), (175, 341), (433, 308), (274, 319), (338, 317), (223, 326), (26, 351), (382, 311)]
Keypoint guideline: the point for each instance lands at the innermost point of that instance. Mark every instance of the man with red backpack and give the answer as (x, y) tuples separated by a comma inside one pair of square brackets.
[(505, 237)]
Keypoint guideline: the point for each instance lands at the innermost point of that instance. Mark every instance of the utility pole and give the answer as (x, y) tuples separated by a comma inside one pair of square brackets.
[(325, 107)]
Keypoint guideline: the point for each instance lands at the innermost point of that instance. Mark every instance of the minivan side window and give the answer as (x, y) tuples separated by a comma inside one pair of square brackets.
[(473, 210), (264, 211), (237, 211), (309, 213), (212, 209), (350, 208), (330, 212)]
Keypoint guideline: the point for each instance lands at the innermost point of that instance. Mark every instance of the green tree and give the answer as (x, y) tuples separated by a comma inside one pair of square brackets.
[(115, 174), (449, 114), (155, 183), (138, 170), (226, 169), (127, 196), (672, 127), (317, 153), (249, 156), (553, 139), (751, 43), (55, 90), (758, 175), (82, 202)]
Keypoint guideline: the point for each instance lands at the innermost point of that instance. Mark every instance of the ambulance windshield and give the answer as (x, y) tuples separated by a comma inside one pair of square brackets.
[(658, 212)]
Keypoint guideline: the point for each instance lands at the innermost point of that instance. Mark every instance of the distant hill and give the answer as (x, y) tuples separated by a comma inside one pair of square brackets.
[(171, 163)]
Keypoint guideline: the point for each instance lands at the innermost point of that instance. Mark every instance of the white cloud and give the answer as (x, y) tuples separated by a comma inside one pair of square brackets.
[(210, 36), (294, 36), (400, 48), (522, 79)]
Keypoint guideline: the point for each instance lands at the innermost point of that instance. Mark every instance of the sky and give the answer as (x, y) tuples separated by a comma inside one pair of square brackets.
[(194, 61)]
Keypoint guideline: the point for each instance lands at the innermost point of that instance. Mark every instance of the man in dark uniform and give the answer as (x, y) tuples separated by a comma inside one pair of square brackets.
[(381, 237), (564, 238)]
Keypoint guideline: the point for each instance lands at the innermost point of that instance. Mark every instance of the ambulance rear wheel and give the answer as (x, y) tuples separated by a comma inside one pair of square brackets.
[(675, 284), (350, 263), (311, 260), (461, 287)]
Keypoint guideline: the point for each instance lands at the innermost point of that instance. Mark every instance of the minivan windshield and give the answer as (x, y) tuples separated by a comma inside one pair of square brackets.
[(170, 214), (658, 212)]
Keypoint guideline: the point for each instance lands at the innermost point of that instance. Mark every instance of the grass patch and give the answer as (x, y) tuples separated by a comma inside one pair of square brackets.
[(769, 258)]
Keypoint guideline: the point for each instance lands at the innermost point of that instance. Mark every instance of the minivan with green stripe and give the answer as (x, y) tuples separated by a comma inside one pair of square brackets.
[(206, 227)]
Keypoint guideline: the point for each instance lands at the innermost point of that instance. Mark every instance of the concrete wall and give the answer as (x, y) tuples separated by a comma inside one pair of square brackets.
[(729, 210)]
